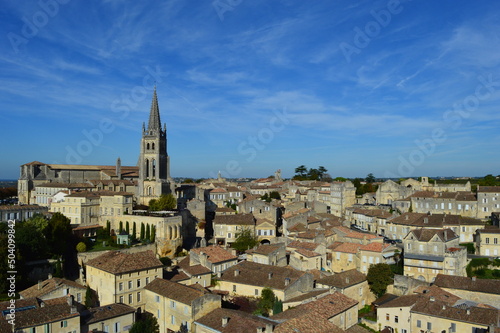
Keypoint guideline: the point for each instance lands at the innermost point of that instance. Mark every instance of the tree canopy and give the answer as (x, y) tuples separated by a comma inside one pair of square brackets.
[(379, 277), (245, 240), (147, 324), (302, 173), (165, 202)]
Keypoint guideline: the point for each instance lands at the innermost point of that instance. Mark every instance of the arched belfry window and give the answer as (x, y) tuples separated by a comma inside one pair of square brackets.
[(153, 146), (147, 146), (146, 167), (154, 168)]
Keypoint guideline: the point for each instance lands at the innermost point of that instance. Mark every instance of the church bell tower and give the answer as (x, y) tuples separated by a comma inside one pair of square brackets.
[(154, 162)]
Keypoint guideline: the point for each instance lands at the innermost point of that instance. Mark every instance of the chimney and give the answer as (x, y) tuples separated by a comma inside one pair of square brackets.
[(473, 279), (225, 320), (119, 168), (406, 217), (39, 284), (236, 272), (426, 220), (444, 307), (347, 280), (432, 299), (269, 328), (73, 309), (468, 311), (69, 299), (287, 281), (50, 276), (270, 275)]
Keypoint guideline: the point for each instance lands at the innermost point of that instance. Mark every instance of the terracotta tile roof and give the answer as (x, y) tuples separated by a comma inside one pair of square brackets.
[(215, 254), (238, 219), (401, 301), (49, 286), (308, 296), (334, 245), (307, 323), (493, 230), (327, 307), (472, 314), (490, 189), (299, 227), (374, 247), (348, 248), (101, 313), (268, 248), (307, 253), (184, 264), (116, 262), (238, 321), (344, 279), (175, 291), (224, 210), (311, 246), (438, 293), (425, 235), (434, 220), (380, 213), (39, 313), (218, 190), (66, 185), (465, 283), (256, 274)]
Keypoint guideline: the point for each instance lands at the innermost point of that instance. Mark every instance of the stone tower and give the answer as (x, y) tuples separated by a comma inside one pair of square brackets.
[(154, 162)]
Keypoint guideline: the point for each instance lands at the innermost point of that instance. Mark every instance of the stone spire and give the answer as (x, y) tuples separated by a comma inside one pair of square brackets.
[(119, 168), (154, 114)]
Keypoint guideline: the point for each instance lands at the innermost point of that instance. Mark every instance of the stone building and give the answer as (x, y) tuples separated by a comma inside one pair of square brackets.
[(488, 200), (119, 277), (429, 252), (20, 212), (487, 241), (175, 304)]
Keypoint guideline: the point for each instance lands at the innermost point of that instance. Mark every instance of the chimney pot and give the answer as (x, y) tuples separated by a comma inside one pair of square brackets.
[(270, 275), (225, 320), (468, 311), (237, 272), (50, 276), (432, 299), (474, 279)]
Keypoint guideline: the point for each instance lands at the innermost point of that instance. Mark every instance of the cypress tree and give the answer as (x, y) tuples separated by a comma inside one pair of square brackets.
[(148, 232), (142, 230)]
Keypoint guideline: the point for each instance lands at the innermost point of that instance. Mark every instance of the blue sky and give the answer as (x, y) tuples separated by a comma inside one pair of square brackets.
[(247, 87)]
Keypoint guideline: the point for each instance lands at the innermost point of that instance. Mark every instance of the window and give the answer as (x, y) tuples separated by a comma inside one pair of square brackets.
[(159, 314), (79, 297), (429, 326), (186, 310), (234, 288), (404, 330), (117, 327), (453, 327), (172, 320), (120, 286), (487, 240), (138, 283), (495, 240), (130, 299), (172, 304), (396, 319), (256, 292), (138, 296), (419, 323), (387, 317), (64, 323), (157, 299), (130, 285), (147, 280)]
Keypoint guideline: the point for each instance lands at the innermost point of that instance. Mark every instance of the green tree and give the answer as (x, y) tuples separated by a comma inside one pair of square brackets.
[(121, 227), (59, 234), (148, 232), (134, 232), (127, 228), (275, 195), (245, 239), (488, 180), (165, 202), (301, 171), (81, 247), (58, 272), (4, 284), (379, 277), (153, 234), (265, 198), (370, 178), (88, 298), (266, 302), (322, 171), (340, 179), (147, 324), (143, 230)]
